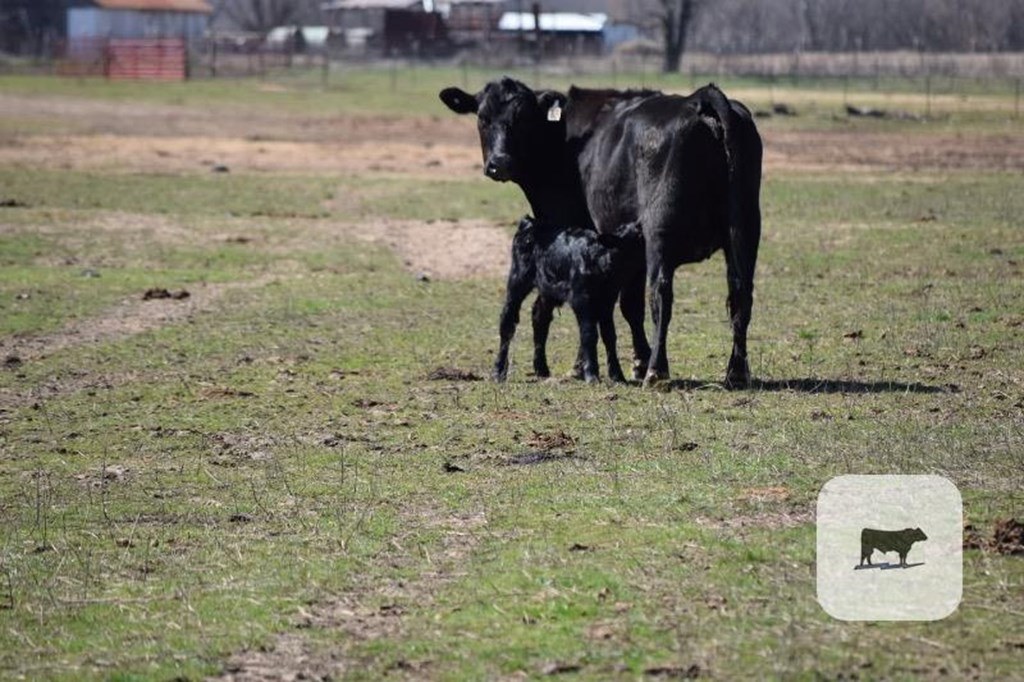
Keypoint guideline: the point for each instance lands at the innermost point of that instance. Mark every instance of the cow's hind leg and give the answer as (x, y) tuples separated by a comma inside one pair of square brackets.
[(660, 278), (631, 303), (741, 300), (741, 259)]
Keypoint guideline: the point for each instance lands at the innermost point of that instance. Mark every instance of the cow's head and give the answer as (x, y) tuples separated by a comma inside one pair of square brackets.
[(517, 125)]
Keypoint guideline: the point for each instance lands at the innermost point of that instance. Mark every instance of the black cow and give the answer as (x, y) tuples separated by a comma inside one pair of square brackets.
[(899, 541), (687, 168), (578, 266)]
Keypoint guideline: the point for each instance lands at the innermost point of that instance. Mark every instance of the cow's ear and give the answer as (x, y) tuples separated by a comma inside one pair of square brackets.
[(459, 101), (551, 103)]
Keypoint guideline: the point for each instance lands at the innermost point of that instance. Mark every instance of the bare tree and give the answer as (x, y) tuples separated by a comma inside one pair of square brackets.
[(675, 21)]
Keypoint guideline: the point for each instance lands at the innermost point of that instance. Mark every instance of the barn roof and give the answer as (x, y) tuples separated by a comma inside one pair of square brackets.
[(553, 21), (371, 4), (201, 6)]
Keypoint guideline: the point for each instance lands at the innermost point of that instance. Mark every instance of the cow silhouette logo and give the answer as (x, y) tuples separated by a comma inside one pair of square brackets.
[(899, 541), (908, 529)]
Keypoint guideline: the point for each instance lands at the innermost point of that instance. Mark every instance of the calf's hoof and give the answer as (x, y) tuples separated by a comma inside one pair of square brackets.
[(541, 372), (616, 376), (639, 369), (498, 376)]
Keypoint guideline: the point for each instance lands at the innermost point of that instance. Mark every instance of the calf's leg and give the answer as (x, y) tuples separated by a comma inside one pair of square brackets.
[(515, 293), (543, 310), (607, 326), (585, 318)]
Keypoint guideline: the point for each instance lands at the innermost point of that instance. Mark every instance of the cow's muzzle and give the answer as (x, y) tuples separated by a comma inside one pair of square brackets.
[(499, 167)]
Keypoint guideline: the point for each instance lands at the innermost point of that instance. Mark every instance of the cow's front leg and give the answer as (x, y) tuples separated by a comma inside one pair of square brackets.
[(631, 303), (660, 278), (543, 311)]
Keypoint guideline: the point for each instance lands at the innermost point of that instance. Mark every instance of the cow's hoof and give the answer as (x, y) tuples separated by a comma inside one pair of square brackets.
[(639, 369), (616, 376), (737, 376), (542, 372), (591, 378), (655, 378)]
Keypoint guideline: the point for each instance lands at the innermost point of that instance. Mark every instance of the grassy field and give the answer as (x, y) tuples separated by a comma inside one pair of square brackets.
[(289, 473)]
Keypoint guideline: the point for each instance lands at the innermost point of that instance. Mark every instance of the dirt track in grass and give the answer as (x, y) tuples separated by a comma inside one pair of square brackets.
[(432, 249), (784, 151), (136, 137), (354, 618)]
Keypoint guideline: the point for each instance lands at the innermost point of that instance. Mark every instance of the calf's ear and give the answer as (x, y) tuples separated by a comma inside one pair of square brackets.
[(459, 101)]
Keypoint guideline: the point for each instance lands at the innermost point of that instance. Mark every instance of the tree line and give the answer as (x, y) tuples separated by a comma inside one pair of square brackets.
[(759, 26)]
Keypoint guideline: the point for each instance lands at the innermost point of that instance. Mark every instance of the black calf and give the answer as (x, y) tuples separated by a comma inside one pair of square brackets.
[(578, 266)]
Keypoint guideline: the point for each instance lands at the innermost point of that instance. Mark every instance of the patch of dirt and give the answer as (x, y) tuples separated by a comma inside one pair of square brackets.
[(292, 655), (128, 153), (167, 138), (554, 440), (856, 149), (539, 457), (126, 118), (453, 374), (131, 316), (787, 518), (1007, 537), (444, 249)]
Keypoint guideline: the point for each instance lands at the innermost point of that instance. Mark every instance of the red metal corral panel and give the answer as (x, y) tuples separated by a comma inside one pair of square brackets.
[(146, 59)]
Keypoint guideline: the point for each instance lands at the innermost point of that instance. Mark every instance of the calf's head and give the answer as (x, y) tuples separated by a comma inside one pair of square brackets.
[(517, 126)]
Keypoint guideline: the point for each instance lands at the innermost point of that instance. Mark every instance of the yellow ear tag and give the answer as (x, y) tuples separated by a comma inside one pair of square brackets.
[(555, 113)]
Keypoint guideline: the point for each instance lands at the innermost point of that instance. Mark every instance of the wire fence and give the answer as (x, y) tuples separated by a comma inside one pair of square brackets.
[(912, 84)]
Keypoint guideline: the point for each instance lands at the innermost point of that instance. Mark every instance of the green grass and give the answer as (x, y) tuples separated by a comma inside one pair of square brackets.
[(171, 497)]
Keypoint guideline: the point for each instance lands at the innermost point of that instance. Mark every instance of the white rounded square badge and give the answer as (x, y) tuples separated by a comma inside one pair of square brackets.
[(890, 547)]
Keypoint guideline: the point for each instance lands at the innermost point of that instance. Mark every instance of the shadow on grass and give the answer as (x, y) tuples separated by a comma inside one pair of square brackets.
[(812, 385), (887, 566)]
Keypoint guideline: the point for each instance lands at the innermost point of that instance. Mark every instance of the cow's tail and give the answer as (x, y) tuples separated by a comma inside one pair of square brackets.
[(713, 102)]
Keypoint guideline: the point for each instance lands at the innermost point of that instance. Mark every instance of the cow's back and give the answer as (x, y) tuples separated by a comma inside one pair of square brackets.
[(656, 160)]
